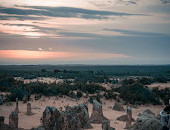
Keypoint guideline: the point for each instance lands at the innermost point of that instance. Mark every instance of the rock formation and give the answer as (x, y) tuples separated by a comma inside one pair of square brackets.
[(29, 108), (106, 125), (25, 99), (147, 122), (97, 116), (124, 118), (50, 117), (4, 126), (76, 117), (13, 120), (1, 99), (39, 128), (129, 117), (73, 118), (148, 111), (2, 120), (16, 109), (118, 107)]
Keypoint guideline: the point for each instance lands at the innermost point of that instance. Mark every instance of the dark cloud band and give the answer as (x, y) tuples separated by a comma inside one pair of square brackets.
[(138, 33), (67, 12)]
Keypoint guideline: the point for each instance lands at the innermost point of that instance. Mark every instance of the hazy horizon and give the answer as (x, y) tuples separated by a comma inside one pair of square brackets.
[(84, 64)]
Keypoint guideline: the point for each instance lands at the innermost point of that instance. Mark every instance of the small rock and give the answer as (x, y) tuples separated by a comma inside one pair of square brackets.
[(105, 125), (124, 118), (118, 107), (148, 111)]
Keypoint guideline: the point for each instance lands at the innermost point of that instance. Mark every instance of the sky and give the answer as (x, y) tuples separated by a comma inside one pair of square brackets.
[(106, 32)]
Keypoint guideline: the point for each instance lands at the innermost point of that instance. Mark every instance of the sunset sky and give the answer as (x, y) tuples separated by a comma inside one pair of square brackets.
[(85, 32)]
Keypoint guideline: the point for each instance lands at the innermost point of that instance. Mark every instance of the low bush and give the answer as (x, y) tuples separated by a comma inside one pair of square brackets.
[(110, 95), (79, 94), (164, 94), (17, 93), (137, 93), (97, 97)]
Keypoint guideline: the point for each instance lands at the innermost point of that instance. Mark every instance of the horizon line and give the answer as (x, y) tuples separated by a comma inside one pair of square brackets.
[(84, 64)]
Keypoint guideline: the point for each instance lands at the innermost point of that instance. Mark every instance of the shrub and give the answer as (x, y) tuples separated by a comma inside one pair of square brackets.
[(145, 81), (137, 93), (17, 93), (7, 83), (43, 70), (164, 94), (72, 94), (91, 99), (128, 81), (92, 88), (56, 71), (97, 97), (79, 94), (110, 95), (161, 79)]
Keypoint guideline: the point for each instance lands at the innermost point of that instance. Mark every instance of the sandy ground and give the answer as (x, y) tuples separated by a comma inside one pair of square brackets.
[(160, 85), (41, 79), (38, 107)]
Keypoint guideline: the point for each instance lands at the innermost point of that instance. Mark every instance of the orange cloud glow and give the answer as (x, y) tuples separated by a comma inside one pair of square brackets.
[(26, 54)]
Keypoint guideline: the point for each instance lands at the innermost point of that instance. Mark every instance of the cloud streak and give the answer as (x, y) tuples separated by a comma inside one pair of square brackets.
[(138, 33), (112, 3), (165, 1), (66, 12)]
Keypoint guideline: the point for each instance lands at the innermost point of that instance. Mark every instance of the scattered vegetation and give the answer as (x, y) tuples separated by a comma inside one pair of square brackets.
[(136, 93), (164, 94), (111, 95), (88, 79)]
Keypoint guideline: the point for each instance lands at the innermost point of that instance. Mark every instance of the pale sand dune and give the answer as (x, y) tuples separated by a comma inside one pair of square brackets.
[(41, 79), (38, 107), (160, 85)]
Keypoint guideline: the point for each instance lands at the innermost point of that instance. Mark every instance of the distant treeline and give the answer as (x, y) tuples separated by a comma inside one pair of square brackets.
[(117, 70)]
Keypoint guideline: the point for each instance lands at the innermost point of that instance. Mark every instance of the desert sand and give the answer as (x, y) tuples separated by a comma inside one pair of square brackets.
[(41, 79), (160, 85), (38, 106)]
